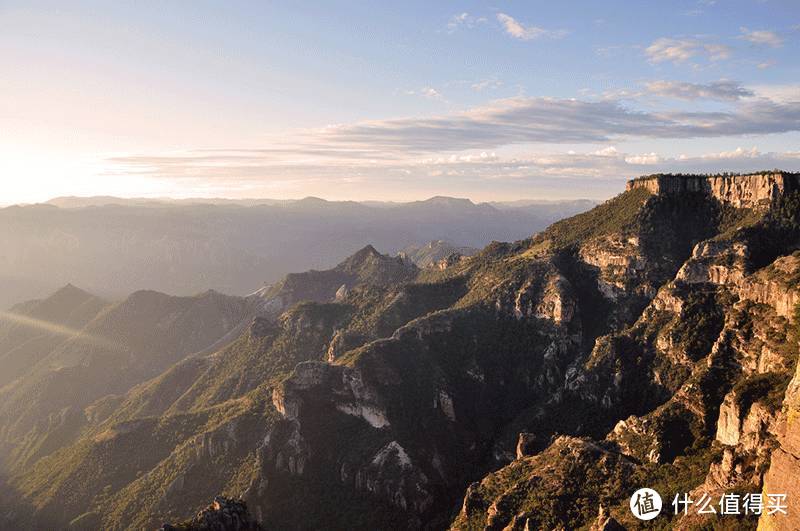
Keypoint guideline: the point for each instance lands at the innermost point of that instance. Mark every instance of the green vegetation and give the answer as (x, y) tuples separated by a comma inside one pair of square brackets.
[(617, 215), (777, 232), (731, 219), (562, 486), (699, 324), (681, 476), (767, 388)]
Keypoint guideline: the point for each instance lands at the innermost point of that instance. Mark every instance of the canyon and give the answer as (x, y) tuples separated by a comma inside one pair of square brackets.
[(652, 340)]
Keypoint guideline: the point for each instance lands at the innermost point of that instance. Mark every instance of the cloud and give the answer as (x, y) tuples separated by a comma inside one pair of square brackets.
[(431, 93), (522, 120), (762, 38), (681, 50), (780, 93), (527, 33), (609, 151), (645, 159), (608, 51), (247, 170), (427, 92), (700, 9), (717, 52), (464, 145), (463, 20), (458, 20), (717, 90), (487, 84), (738, 153)]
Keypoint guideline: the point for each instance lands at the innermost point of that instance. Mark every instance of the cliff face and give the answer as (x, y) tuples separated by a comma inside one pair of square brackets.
[(741, 191), (783, 475), (702, 371)]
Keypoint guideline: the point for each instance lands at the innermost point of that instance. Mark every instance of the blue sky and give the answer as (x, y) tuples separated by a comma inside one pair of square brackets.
[(380, 100)]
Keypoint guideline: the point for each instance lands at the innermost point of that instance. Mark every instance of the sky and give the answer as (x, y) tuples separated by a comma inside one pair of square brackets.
[(390, 100)]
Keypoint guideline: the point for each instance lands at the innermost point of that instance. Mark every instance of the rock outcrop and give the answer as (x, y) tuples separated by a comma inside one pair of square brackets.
[(784, 470), (758, 190), (224, 514)]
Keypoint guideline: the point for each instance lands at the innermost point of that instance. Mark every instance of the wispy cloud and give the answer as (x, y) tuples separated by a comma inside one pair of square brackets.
[(524, 32), (426, 92), (463, 20), (762, 37), (783, 93), (486, 84), (430, 92), (700, 9), (681, 50), (463, 145), (739, 153), (717, 90), (260, 171), (550, 120), (644, 159)]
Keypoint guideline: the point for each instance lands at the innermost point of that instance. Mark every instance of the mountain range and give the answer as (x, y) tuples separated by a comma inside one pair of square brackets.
[(652, 340), (113, 246)]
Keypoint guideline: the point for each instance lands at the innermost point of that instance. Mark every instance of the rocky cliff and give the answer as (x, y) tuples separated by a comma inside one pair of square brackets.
[(757, 190), (784, 469)]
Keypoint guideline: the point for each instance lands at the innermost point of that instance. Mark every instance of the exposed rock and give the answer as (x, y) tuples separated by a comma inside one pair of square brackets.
[(224, 514), (515, 496), (558, 301), (619, 262), (748, 431), (784, 470), (341, 293), (730, 423), (445, 403), (438, 254), (449, 260), (341, 342), (526, 445), (725, 264), (605, 522), (742, 191)]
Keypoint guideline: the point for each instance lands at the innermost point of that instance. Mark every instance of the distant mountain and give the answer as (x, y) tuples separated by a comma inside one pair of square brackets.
[(105, 200), (73, 349), (365, 267), (434, 252), (28, 331), (114, 246)]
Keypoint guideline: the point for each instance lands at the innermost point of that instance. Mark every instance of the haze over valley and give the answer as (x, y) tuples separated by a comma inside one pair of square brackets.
[(114, 247)]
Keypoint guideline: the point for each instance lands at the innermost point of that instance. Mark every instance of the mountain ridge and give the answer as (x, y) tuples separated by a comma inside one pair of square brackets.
[(184, 248)]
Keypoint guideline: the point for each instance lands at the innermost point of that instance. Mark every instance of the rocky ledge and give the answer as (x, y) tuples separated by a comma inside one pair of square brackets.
[(224, 514)]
